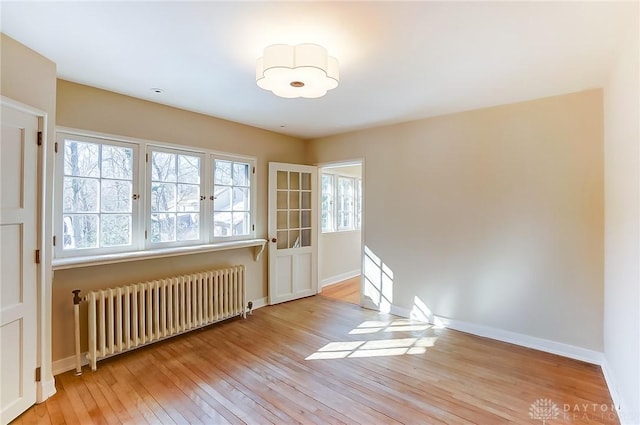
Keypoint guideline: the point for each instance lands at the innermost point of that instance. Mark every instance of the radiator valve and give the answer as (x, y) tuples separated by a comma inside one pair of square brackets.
[(250, 307)]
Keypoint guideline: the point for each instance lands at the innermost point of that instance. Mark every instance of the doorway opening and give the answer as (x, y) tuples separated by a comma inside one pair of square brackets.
[(340, 238)]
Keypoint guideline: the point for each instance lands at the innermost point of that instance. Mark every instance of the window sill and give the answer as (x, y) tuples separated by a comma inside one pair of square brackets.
[(96, 260)]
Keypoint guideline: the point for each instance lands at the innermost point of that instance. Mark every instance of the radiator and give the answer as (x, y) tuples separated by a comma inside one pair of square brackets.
[(127, 317)]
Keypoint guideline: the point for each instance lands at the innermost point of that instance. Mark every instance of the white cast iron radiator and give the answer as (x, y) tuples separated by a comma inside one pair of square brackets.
[(128, 317)]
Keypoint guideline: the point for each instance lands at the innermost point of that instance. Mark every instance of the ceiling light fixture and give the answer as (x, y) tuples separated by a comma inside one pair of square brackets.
[(305, 70)]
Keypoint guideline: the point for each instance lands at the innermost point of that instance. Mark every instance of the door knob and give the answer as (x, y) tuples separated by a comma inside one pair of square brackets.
[(274, 240)]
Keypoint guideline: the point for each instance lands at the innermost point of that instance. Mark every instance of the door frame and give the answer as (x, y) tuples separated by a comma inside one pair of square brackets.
[(45, 387), (342, 163)]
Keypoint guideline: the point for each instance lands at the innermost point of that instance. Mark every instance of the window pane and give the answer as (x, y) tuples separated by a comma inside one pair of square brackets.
[(117, 162), (222, 224), (115, 196), (116, 229), (240, 199), (240, 174), (188, 169), (81, 231), (294, 200), (81, 159), (345, 197), (163, 167), (241, 223), (222, 198), (188, 227), (222, 172), (305, 220), (327, 207), (163, 228), (80, 195), (188, 198), (163, 197)]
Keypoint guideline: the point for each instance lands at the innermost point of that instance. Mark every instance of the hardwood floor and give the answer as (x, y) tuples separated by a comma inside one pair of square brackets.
[(348, 290), (318, 360)]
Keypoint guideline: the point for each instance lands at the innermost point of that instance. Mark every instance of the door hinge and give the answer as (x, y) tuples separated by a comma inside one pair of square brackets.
[(55, 147), (54, 241), (145, 234), (39, 138), (37, 256), (38, 373), (254, 170), (253, 227), (146, 158)]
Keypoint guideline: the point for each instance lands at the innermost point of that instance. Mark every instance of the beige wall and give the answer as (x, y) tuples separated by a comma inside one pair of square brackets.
[(340, 256), (622, 226), (93, 109), (492, 217)]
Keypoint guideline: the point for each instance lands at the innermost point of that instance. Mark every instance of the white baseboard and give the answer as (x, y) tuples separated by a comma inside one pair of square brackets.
[(339, 278), (67, 364), (561, 349), (260, 302), (618, 402)]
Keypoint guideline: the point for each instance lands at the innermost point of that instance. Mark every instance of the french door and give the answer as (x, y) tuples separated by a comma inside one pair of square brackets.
[(293, 252)]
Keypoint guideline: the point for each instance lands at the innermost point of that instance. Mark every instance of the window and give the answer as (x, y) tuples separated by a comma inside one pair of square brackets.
[(341, 202), (231, 198), (176, 205), (97, 193), (108, 199)]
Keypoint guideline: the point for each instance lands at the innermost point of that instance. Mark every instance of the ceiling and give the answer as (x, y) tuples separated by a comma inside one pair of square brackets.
[(399, 61)]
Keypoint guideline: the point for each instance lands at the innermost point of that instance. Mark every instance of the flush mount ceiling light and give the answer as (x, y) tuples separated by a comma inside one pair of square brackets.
[(305, 70)]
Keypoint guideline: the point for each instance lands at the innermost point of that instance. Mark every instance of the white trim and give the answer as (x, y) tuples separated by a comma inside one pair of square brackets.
[(121, 257), (617, 399), (45, 389), (260, 302), (548, 346), (69, 363), (339, 278), (553, 347)]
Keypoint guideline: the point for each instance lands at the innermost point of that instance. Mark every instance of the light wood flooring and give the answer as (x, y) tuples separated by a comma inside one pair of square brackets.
[(347, 290), (322, 361)]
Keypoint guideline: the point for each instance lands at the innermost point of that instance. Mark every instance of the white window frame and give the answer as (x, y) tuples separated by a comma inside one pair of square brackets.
[(150, 245), (136, 208), (141, 212), (252, 195)]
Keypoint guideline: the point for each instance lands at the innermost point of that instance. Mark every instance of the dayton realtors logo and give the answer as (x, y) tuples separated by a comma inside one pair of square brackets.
[(544, 409)]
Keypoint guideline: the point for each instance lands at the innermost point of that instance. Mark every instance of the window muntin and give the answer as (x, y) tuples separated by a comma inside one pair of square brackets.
[(232, 198), (98, 211), (175, 202)]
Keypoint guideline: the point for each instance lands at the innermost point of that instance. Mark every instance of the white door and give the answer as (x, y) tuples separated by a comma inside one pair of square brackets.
[(292, 232), (18, 269)]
